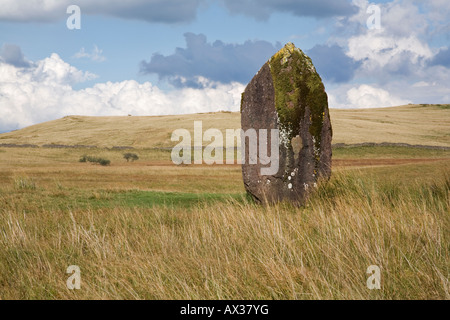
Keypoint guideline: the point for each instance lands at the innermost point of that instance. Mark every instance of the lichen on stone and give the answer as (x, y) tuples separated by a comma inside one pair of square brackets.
[(297, 86)]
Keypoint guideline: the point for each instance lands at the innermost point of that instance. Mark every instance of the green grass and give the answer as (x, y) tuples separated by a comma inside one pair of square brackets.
[(387, 152), (28, 197), (149, 199)]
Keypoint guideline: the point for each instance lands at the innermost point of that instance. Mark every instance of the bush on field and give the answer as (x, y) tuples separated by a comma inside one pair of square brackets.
[(104, 162), (131, 156), (100, 161)]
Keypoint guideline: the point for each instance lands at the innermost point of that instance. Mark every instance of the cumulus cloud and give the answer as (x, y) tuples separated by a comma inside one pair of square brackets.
[(441, 58), (438, 10), (166, 11), (399, 18), (400, 51), (366, 96), (382, 54), (396, 62), (217, 61), (262, 9), (54, 70), (399, 48), (12, 54), (95, 55), (44, 92), (332, 63), (363, 96)]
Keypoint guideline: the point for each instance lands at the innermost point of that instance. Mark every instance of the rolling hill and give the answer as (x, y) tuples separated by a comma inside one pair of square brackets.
[(411, 124)]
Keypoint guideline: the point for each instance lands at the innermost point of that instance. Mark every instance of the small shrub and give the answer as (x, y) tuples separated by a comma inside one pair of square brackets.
[(104, 162), (100, 161), (130, 156)]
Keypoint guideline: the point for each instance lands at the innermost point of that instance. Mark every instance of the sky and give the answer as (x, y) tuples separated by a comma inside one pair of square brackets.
[(160, 57)]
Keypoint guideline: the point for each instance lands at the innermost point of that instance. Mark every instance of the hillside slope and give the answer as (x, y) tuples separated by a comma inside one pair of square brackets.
[(412, 124)]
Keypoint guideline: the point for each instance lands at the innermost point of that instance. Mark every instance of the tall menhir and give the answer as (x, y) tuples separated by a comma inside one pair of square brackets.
[(288, 94)]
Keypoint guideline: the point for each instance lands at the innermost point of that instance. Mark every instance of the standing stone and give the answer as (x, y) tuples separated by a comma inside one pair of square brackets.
[(288, 94)]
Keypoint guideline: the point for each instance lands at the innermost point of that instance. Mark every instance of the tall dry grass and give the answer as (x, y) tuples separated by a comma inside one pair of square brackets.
[(237, 250)]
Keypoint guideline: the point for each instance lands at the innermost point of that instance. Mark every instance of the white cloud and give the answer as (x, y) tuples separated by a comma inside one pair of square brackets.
[(363, 96), (95, 55), (421, 84), (397, 48), (399, 18), (54, 70), (377, 50), (366, 96), (44, 92), (382, 49), (395, 60), (438, 9), (403, 18)]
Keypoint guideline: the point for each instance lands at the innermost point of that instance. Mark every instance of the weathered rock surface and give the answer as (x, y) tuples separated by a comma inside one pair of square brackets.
[(288, 94)]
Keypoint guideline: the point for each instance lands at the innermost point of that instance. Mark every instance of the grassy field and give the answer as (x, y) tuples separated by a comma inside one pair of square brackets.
[(413, 124), (152, 230)]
